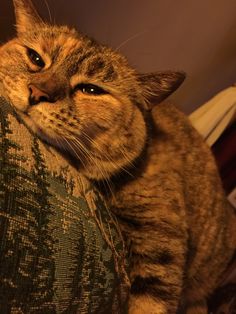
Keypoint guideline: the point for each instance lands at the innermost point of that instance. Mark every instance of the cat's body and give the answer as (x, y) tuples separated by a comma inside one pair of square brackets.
[(181, 226), (85, 100)]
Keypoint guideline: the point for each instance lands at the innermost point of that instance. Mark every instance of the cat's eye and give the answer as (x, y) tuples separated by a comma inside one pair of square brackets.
[(35, 58), (90, 89)]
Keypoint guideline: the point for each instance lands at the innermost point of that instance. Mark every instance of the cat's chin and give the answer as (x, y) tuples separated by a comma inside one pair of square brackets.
[(28, 122), (34, 127)]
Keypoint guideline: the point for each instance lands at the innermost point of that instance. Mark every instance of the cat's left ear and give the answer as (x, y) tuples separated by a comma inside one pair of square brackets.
[(158, 86), (27, 17)]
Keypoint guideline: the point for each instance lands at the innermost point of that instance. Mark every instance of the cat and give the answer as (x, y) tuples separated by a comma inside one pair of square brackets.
[(157, 175)]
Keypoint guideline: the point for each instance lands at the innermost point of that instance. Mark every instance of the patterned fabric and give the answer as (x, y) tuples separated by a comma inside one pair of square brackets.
[(60, 248)]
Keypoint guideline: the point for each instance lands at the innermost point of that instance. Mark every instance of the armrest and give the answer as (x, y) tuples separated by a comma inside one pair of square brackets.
[(60, 248)]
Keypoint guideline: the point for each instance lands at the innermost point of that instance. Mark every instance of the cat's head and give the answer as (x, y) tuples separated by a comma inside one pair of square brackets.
[(78, 95)]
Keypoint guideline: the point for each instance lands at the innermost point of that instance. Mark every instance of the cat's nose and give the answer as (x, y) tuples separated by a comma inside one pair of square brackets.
[(37, 95)]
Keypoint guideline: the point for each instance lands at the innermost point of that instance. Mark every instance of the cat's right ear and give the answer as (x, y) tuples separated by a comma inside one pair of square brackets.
[(159, 85), (26, 16)]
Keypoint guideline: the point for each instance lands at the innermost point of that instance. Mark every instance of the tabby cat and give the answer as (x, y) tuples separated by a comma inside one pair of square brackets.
[(156, 173)]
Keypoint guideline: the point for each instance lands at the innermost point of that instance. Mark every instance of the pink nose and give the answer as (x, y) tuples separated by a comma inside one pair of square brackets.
[(37, 95)]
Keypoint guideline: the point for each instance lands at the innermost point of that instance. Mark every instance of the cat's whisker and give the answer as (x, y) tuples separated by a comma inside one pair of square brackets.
[(74, 152), (103, 153), (57, 140), (82, 149), (130, 163), (92, 159), (104, 174), (80, 145), (49, 11), (130, 39), (88, 156), (97, 146)]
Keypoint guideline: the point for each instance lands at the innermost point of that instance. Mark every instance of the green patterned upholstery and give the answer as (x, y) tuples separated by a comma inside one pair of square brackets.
[(60, 248)]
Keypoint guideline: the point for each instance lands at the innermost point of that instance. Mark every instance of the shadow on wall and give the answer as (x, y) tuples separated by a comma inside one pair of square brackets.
[(195, 36)]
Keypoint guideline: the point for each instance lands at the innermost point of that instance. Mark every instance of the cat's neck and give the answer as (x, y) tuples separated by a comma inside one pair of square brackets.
[(119, 179)]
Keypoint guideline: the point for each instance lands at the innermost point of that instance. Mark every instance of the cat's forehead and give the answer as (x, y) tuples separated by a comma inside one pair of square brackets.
[(75, 50), (52, 38)]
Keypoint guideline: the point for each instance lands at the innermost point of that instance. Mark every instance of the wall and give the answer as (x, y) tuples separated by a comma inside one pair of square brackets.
[(198, 37)]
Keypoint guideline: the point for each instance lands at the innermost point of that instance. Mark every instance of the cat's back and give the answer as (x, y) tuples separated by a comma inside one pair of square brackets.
[(176, 145), (210, 218)]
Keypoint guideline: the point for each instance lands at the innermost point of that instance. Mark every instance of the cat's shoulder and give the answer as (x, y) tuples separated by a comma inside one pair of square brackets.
[(173, 131), (168, 111), (169, 119)]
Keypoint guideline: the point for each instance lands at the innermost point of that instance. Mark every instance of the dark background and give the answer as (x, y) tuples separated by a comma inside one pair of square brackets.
[(197, 36)]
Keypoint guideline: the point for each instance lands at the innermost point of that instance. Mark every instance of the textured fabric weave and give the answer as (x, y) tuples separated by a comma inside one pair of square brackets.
[(60, 248)]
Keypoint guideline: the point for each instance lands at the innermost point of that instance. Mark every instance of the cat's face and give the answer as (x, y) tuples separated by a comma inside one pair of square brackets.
[(77, 95)]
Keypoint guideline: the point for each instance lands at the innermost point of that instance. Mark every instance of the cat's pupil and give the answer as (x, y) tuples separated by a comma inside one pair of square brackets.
[(90, 89), (35, 58)]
